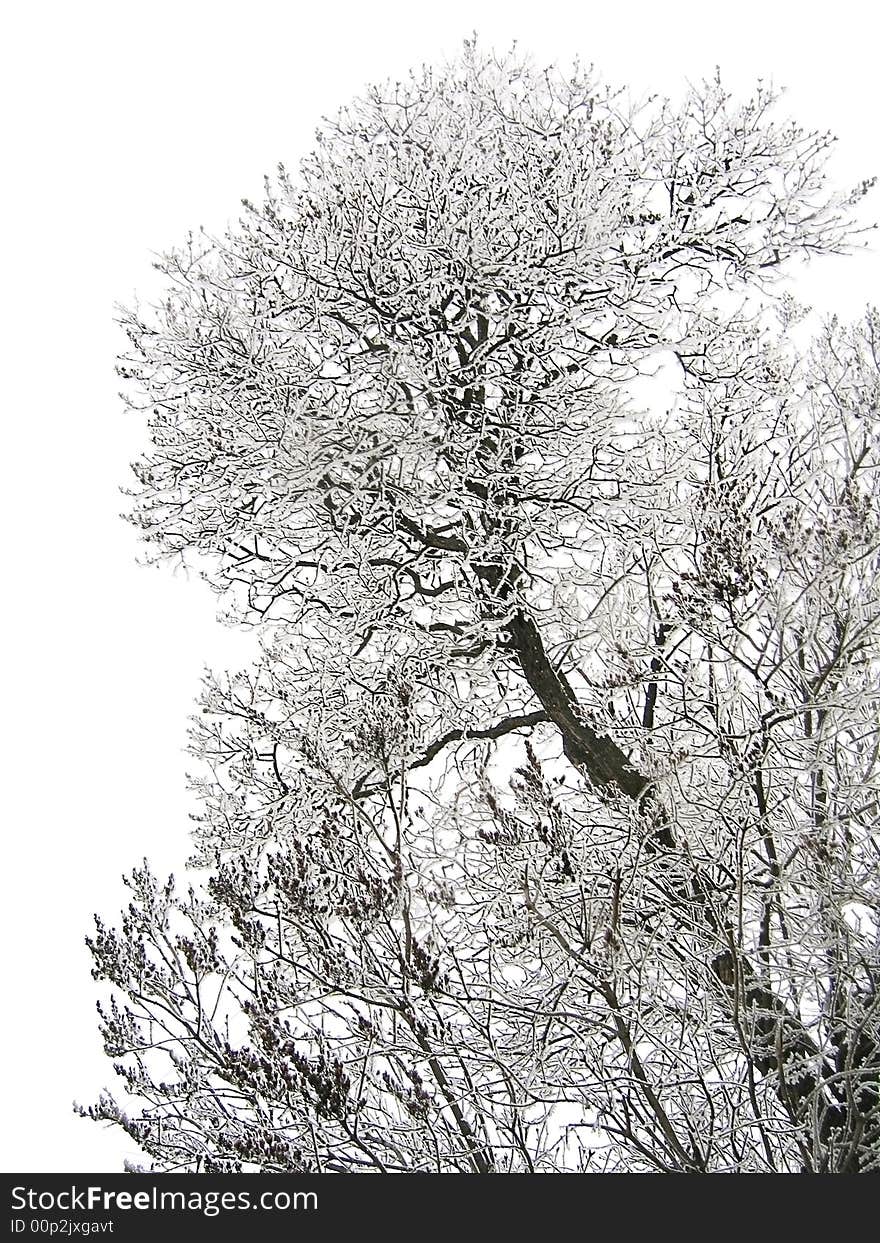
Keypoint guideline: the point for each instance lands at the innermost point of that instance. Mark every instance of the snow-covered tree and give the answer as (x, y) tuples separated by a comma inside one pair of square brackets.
[(545, 834)]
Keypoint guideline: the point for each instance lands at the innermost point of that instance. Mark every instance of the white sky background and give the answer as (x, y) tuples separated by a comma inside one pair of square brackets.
[(126, 125)]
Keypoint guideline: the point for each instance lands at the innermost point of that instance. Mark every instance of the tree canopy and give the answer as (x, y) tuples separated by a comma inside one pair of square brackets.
[(544, 834)]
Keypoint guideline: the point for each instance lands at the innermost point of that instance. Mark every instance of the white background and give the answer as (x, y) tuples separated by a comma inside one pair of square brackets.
[(124, 126)]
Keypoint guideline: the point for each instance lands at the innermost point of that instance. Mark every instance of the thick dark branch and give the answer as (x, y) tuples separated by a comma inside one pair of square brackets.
[(431, 539), (847, 1102), (777, 1032), (598, 755), (507, 726), (606, 765), (651, 689)]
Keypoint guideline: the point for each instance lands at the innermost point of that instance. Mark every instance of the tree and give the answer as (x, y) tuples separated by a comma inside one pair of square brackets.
[(544, 834)]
